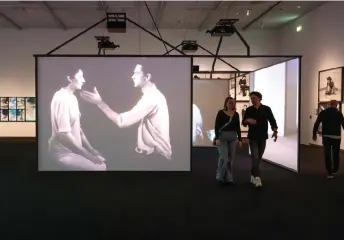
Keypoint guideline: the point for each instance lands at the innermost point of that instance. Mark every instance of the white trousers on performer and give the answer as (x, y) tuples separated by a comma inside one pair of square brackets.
[(75, 162)]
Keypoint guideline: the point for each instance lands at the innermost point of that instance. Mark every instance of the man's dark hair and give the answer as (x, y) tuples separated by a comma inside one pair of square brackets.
[(257, 94)]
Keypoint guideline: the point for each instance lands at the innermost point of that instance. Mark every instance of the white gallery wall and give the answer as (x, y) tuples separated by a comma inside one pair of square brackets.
[(321, 44), (17, 68), (278, 85)]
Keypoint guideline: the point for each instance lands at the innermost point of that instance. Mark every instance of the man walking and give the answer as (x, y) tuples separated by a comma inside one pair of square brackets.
[(256, 118), (331, 120)]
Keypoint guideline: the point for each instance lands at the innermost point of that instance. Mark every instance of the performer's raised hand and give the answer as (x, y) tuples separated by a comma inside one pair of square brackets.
[(91, 97)]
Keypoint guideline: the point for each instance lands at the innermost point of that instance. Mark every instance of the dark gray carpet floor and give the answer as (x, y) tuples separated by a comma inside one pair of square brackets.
[(124, 205)]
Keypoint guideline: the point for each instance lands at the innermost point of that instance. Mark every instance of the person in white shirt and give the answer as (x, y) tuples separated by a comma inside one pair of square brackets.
[(68, 144), (196, 123), (151, 111)]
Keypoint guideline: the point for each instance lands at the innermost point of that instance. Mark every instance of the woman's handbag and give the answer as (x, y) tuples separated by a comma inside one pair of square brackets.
[(230, 120)]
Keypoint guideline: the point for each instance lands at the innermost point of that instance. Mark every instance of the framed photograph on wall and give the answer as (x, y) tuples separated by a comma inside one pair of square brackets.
[(12, 103), (20, 102), (30, 109), (4, 115), (4, 102), (20, 115), (241, 109), (330, 85), (242, 92), (12, 115), (324, 105)]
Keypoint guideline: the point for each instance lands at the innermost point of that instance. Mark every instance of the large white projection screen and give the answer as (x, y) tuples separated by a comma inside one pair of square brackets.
[(137, 119), (208, 98), (279, 86)]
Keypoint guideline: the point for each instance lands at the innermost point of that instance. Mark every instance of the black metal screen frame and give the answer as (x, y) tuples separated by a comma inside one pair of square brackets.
[(175, 48)]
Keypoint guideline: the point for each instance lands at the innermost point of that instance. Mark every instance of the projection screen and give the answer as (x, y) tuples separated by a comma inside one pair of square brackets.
[(278, 85), (114, 113), (208, 98)]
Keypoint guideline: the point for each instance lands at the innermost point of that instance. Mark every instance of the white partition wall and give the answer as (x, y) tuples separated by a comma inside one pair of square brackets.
[(279, 85)]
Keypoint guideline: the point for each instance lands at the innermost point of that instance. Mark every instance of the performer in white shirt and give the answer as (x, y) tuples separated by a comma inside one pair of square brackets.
[(68, 144), (196, 123), (151, 111)]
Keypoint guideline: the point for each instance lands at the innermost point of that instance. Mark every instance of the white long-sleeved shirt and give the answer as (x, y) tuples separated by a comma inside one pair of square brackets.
[(154, 129)]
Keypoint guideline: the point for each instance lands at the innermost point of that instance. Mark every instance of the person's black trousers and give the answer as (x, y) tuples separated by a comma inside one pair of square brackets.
[(331, 151), (257, 148)]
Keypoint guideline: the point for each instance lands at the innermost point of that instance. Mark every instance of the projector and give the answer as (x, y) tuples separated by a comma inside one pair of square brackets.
[(195, 68), (189, 46), (104, 42), (223, 28), (116, 22)]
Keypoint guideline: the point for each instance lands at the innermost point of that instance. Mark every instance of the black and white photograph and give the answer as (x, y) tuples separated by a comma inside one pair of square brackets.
[(121, 112), (330, 85), (20, 102), (241, 109), (3, 115), (324, 105), (4, 102), (30, 109), (242, 87)]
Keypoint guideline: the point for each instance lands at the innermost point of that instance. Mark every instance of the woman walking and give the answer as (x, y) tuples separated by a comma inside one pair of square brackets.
[(227, 135)]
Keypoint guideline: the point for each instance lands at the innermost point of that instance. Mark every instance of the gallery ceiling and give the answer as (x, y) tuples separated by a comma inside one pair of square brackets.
[(198, 15)]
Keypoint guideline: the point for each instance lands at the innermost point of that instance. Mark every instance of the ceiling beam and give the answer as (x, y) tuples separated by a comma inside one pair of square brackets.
[(54, 15), (217, 5), (261, 15), (159, 11), (8, 19)]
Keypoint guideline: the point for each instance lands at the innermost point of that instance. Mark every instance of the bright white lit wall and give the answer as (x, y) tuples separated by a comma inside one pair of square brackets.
[(291, 91), (17, 69), (279, 87), (321, 45), (271, 82)]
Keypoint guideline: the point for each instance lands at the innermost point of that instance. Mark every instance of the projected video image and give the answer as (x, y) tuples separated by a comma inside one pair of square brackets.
[(114, 113), (20, 103), (196, 124), (12, 103), (4, 102), (4, 115), (30, 108)]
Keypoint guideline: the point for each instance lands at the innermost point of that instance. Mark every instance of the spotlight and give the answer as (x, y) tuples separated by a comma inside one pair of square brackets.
[(116, 22), (104, 43), (223, 28), (248, 12), (189, 46)]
